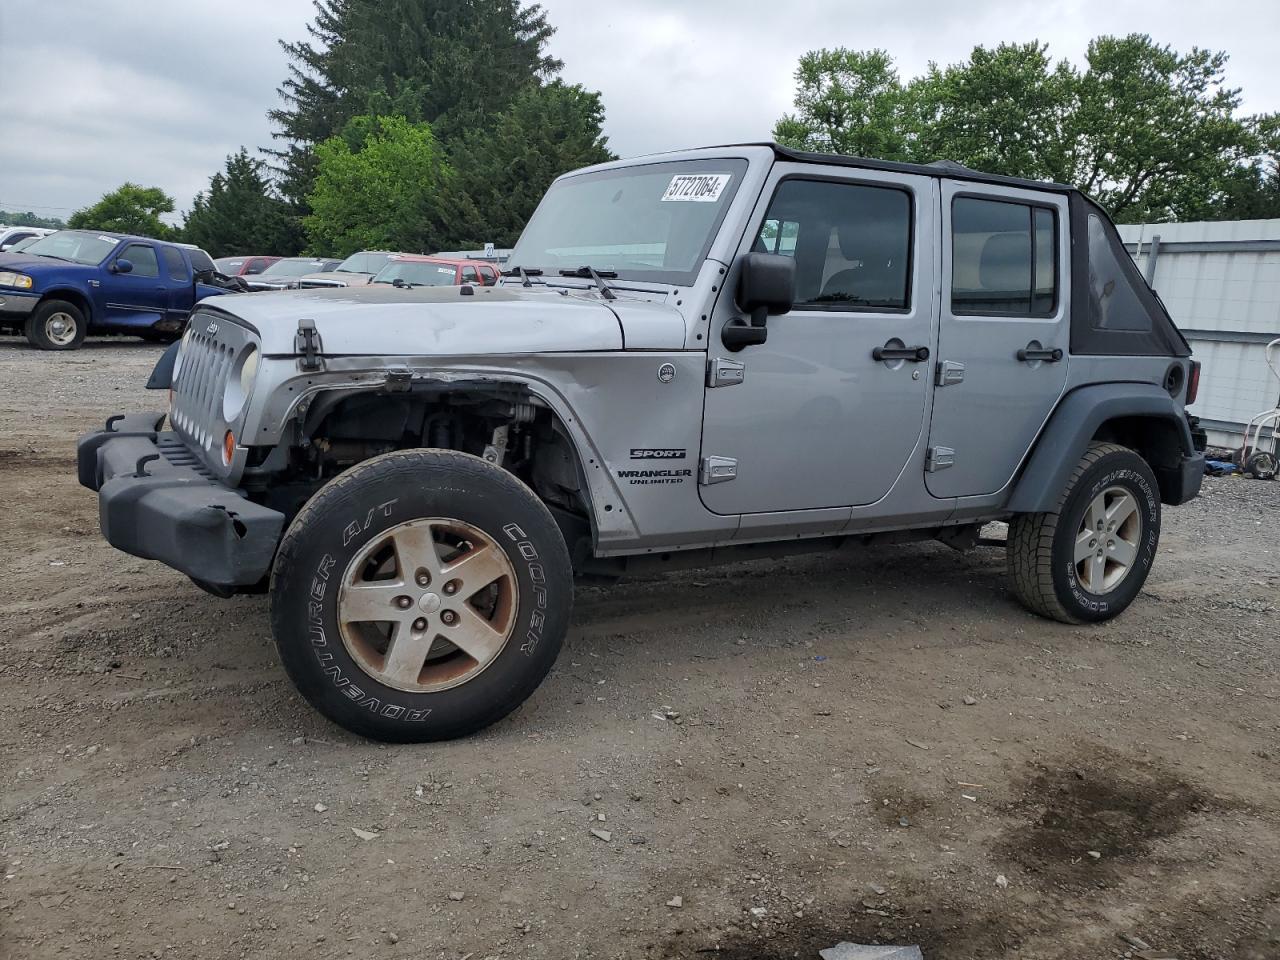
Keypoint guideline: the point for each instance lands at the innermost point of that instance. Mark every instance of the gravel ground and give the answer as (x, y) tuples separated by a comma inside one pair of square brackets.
[(879, 746)]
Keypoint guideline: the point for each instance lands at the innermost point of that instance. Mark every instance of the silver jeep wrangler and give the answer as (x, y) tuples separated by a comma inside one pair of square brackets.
[(698, 357)]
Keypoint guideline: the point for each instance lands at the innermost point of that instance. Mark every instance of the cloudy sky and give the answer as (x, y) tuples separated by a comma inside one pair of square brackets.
[(97, 92)]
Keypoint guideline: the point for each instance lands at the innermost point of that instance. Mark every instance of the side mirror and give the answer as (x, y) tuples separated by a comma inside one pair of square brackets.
[(766, 285), (122, 266)]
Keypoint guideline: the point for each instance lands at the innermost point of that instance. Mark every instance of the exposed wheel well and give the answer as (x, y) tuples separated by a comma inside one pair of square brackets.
[(505, 424)]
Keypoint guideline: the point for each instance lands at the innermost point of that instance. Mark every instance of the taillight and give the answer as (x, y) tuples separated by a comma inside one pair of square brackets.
[(1193, 382), (228, 448)]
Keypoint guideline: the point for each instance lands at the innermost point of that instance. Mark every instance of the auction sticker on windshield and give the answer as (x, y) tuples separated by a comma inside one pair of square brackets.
[(700, 188)]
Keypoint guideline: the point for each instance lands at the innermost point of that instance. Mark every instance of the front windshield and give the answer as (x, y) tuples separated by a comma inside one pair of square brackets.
[(293, 267), (418, 273), (74, 245), (363, 263), (653, 222)]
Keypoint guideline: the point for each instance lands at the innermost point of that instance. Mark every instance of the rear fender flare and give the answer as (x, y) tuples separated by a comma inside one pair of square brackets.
[(1075, 422)]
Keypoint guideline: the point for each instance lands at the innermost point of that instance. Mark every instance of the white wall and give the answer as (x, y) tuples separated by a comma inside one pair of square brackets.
[(1226, 300)]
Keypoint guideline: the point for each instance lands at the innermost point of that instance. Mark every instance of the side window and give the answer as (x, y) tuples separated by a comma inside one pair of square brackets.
[(173, 264), (1113, 305), (1004, 258), (469, 275), (256, 265), (488, 276), (851, 243), (143, 258)]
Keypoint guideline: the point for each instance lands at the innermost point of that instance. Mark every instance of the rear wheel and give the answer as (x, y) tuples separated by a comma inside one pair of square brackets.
[(56, 325), (1087, 561), (420, 596)]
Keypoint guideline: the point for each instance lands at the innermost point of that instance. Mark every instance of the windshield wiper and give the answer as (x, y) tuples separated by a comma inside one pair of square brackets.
[(523, 274), (598, 276), (52, 256)]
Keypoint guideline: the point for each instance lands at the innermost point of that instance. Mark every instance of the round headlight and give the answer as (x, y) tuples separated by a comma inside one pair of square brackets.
[(239, 384)]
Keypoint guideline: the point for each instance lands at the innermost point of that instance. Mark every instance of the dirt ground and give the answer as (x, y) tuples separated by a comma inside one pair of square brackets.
[(878, 746)]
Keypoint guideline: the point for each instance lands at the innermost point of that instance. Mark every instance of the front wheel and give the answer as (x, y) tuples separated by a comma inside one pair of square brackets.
[(1087, 561), (56, 325), (422, 595)]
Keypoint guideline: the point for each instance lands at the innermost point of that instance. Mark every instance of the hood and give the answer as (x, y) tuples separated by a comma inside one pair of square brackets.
[(33, 265), (429, 321), (334, 277)]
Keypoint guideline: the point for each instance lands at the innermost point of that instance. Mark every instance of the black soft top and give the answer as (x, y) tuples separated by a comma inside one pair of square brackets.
[(1114, 312), (939, 168)]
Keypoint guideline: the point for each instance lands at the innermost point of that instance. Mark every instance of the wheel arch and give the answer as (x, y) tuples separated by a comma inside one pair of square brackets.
[(550, 457), (71, 295), (1140, 416)]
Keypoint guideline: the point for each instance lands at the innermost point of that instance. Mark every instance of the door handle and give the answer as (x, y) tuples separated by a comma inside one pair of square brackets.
[(912, 354), (1033, 352)]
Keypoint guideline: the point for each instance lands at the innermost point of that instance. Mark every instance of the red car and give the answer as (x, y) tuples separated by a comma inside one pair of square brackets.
[(409, 270), (243, 266)]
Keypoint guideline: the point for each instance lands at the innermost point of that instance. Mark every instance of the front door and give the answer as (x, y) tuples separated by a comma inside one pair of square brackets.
[(815, 419), (1004, 335), (138, 298)]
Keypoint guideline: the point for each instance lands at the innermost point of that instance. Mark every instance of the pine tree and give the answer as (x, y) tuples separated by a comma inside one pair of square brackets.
[(239, 213), (451, 63)]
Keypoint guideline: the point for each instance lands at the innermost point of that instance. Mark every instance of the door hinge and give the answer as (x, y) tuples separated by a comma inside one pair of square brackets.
[(948, 373), (722, 372), (717, 470), (939, 458)]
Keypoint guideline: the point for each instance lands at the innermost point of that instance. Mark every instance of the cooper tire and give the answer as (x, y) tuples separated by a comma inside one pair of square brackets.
[(56, 325), (1062, 567), (332, 574)]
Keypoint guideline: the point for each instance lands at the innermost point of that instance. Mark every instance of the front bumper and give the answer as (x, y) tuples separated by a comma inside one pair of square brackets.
[(14, 305), (155, 501)]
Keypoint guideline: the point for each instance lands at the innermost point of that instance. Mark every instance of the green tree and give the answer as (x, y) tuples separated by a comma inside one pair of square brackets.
[(1157, 131), (850, 102), (13, 218), (506, 168), (129, 209), (240, 213), (1004, 111), (1152, 133), (451, 63), (394, 191)]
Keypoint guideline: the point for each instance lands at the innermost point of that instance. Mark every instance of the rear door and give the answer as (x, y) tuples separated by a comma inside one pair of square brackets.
[(811, 418), (138, 298), (1002, 349)]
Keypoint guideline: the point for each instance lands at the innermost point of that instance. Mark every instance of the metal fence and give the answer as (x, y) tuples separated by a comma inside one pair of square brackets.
[(1221, 283)]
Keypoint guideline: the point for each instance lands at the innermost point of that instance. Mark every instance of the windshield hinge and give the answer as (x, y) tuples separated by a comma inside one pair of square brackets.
[(307, 343)]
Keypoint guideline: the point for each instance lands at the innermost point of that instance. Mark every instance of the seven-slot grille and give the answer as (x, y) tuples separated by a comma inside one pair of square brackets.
[(208, 359)]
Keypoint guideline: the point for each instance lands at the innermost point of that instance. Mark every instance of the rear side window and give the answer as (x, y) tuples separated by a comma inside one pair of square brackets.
[(143, 258), (469, 275), (1004, 258), (851, 243), (1113, 304), (173, 264)]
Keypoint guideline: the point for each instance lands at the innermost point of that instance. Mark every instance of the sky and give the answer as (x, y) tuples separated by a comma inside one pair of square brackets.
[(97, 92)]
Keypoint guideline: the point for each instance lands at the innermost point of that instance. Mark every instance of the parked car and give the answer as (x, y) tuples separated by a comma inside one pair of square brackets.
[(23, 244), (710, 355), (244, 266), (10, 236), (409, 270), (355, 271), (73, 282), (284, 274)]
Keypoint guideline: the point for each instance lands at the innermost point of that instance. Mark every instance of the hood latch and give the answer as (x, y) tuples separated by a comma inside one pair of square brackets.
[(307, 343)]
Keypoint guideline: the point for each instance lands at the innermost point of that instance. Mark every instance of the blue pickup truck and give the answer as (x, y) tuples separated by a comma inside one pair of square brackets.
[(74, 282)]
